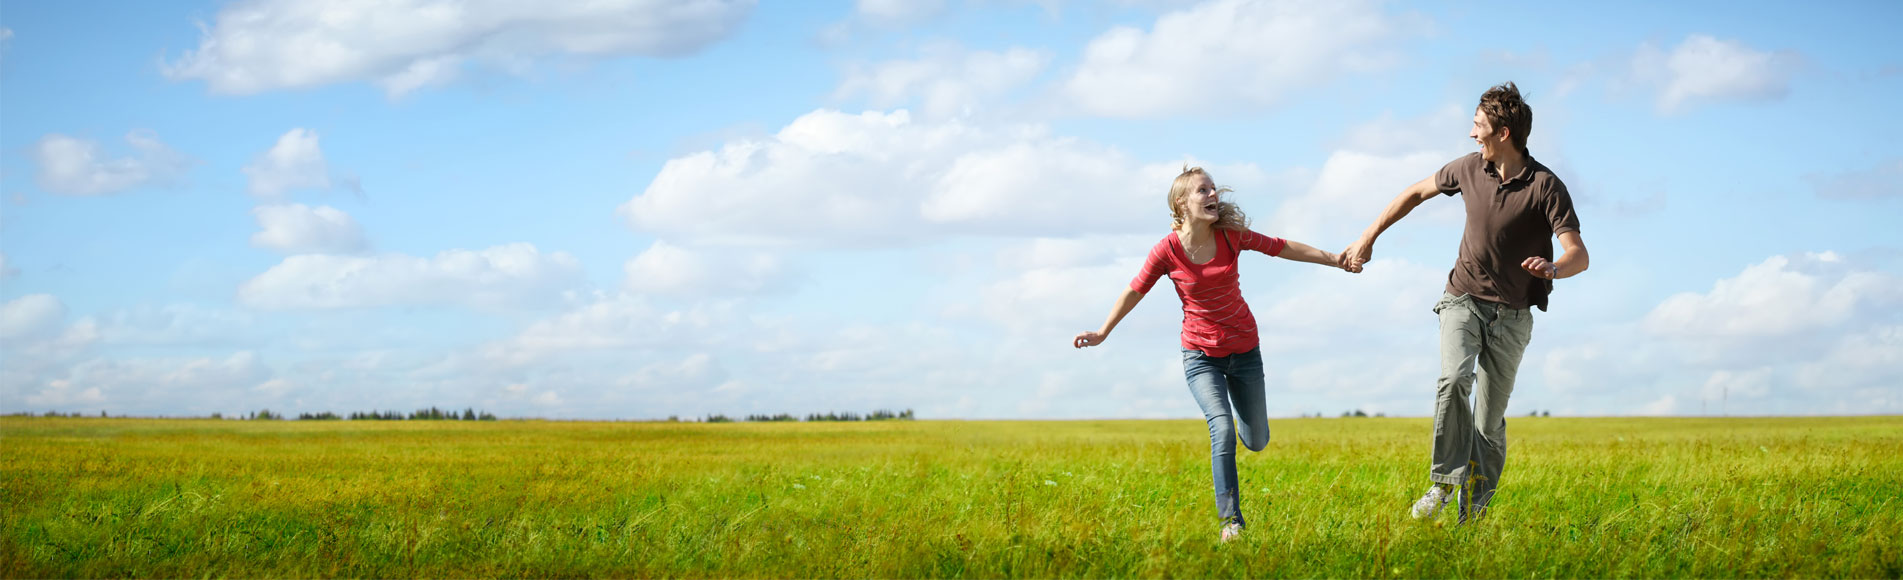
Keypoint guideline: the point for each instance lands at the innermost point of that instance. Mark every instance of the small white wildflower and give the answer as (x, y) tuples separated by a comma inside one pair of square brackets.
[(1050, 483), (798, 486)]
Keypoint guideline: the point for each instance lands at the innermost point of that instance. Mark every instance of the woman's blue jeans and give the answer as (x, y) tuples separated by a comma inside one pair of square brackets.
[(1229, 389)]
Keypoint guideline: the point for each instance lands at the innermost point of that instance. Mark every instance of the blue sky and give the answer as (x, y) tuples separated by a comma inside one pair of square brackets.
[(642, 209)]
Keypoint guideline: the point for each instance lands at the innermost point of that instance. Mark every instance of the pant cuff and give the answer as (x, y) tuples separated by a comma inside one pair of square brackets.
[(1446, 479)]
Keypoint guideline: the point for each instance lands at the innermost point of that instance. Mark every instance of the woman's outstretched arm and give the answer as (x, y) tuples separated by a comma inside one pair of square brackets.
[(1125, 302), (1301, 252)]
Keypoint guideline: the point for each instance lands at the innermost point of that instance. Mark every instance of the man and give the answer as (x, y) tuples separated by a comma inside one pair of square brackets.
[(1515, 206)]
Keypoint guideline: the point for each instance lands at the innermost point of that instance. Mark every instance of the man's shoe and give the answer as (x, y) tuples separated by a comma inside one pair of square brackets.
[(1431, 502)]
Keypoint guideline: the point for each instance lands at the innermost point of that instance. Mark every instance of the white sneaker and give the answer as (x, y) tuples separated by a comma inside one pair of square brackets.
[(1431, 502), (1231, 531)]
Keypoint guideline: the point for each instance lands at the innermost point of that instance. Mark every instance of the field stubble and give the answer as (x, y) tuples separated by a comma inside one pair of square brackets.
[(1743, 497)]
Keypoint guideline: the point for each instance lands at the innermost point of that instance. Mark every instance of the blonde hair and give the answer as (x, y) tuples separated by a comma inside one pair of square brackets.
[(1228, 215)]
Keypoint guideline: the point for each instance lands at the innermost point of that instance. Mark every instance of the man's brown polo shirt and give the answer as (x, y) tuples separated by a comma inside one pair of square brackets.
[(1506, 224)]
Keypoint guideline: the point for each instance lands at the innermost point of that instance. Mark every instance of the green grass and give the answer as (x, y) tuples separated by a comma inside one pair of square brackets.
[(1608, 498)]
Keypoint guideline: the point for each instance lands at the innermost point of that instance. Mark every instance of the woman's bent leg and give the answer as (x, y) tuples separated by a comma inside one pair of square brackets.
[(1246, 386)]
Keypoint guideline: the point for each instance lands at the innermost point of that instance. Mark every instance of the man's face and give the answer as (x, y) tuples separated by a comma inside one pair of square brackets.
[(1491, 141)]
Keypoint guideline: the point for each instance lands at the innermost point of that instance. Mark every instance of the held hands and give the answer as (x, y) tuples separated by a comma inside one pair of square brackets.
[(1357, 254), (1089, 338), (1541, 268)]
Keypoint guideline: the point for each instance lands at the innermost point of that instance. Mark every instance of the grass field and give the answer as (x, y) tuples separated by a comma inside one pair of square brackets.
[(1327, 498)]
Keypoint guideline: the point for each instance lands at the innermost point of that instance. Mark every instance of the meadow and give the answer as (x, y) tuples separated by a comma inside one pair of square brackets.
[(1582, 497)]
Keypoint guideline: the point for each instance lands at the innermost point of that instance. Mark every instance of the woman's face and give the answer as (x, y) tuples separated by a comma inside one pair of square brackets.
[(1199, 205)]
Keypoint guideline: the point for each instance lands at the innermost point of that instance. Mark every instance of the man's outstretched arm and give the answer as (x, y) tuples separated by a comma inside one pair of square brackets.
[(1362, 250)]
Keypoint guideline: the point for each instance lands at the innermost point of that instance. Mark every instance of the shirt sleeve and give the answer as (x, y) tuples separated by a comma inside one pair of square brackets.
[(1155, 267), (1447, 180), (1559, 209), (1266, 244)]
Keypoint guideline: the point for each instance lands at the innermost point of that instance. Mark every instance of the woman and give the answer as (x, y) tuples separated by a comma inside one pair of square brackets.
[(1221, 359)]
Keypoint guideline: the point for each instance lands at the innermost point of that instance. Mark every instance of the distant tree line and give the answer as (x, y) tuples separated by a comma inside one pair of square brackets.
[(430, 414), (879, 415)]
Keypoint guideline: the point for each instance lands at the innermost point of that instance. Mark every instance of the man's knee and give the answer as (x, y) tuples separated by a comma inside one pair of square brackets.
[(1455, 383)]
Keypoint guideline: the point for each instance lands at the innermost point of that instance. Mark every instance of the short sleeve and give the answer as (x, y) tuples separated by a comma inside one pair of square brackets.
[(1155, 267), (1266, 244), (1559, 209), (1447, 180)]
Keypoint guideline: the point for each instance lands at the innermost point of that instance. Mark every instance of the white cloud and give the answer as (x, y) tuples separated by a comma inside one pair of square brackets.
[(1703, 69), (944, 81), (831, 178), (1773, 298), (1666, 405), (30, 316), (897, 12), (1867, 359), (698, 370), (300, 229), (170, 325), (665, 268), (153, 385), (618, 322), (295, 162), (1880, 182), (1801, 334), (402, 45), (1045, 299), (277, 387), (1371, 164), (1227, 55), (507, 276), (1751, 383), (74, 166)]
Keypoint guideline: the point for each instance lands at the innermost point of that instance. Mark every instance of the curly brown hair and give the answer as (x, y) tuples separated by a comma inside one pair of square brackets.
[(1504, 108)]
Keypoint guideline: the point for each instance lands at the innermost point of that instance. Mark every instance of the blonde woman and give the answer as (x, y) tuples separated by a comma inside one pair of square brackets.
[(1221, 359)]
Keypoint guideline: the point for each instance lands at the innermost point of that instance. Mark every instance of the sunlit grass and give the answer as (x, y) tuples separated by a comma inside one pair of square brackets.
[(1327, 498)]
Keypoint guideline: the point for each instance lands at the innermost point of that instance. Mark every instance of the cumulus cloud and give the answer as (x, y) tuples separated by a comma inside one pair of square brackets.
[(1807, 333), (1369, 166), (665, 268), (501, 277), (300, 229), (1703, 69), (295, 162), (621, 321), (30, 316), (255, 46), (832, 178), (151, 385), (944, 81), (1228, 55), (74, 166), (1881, 182), (1776, 297)]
